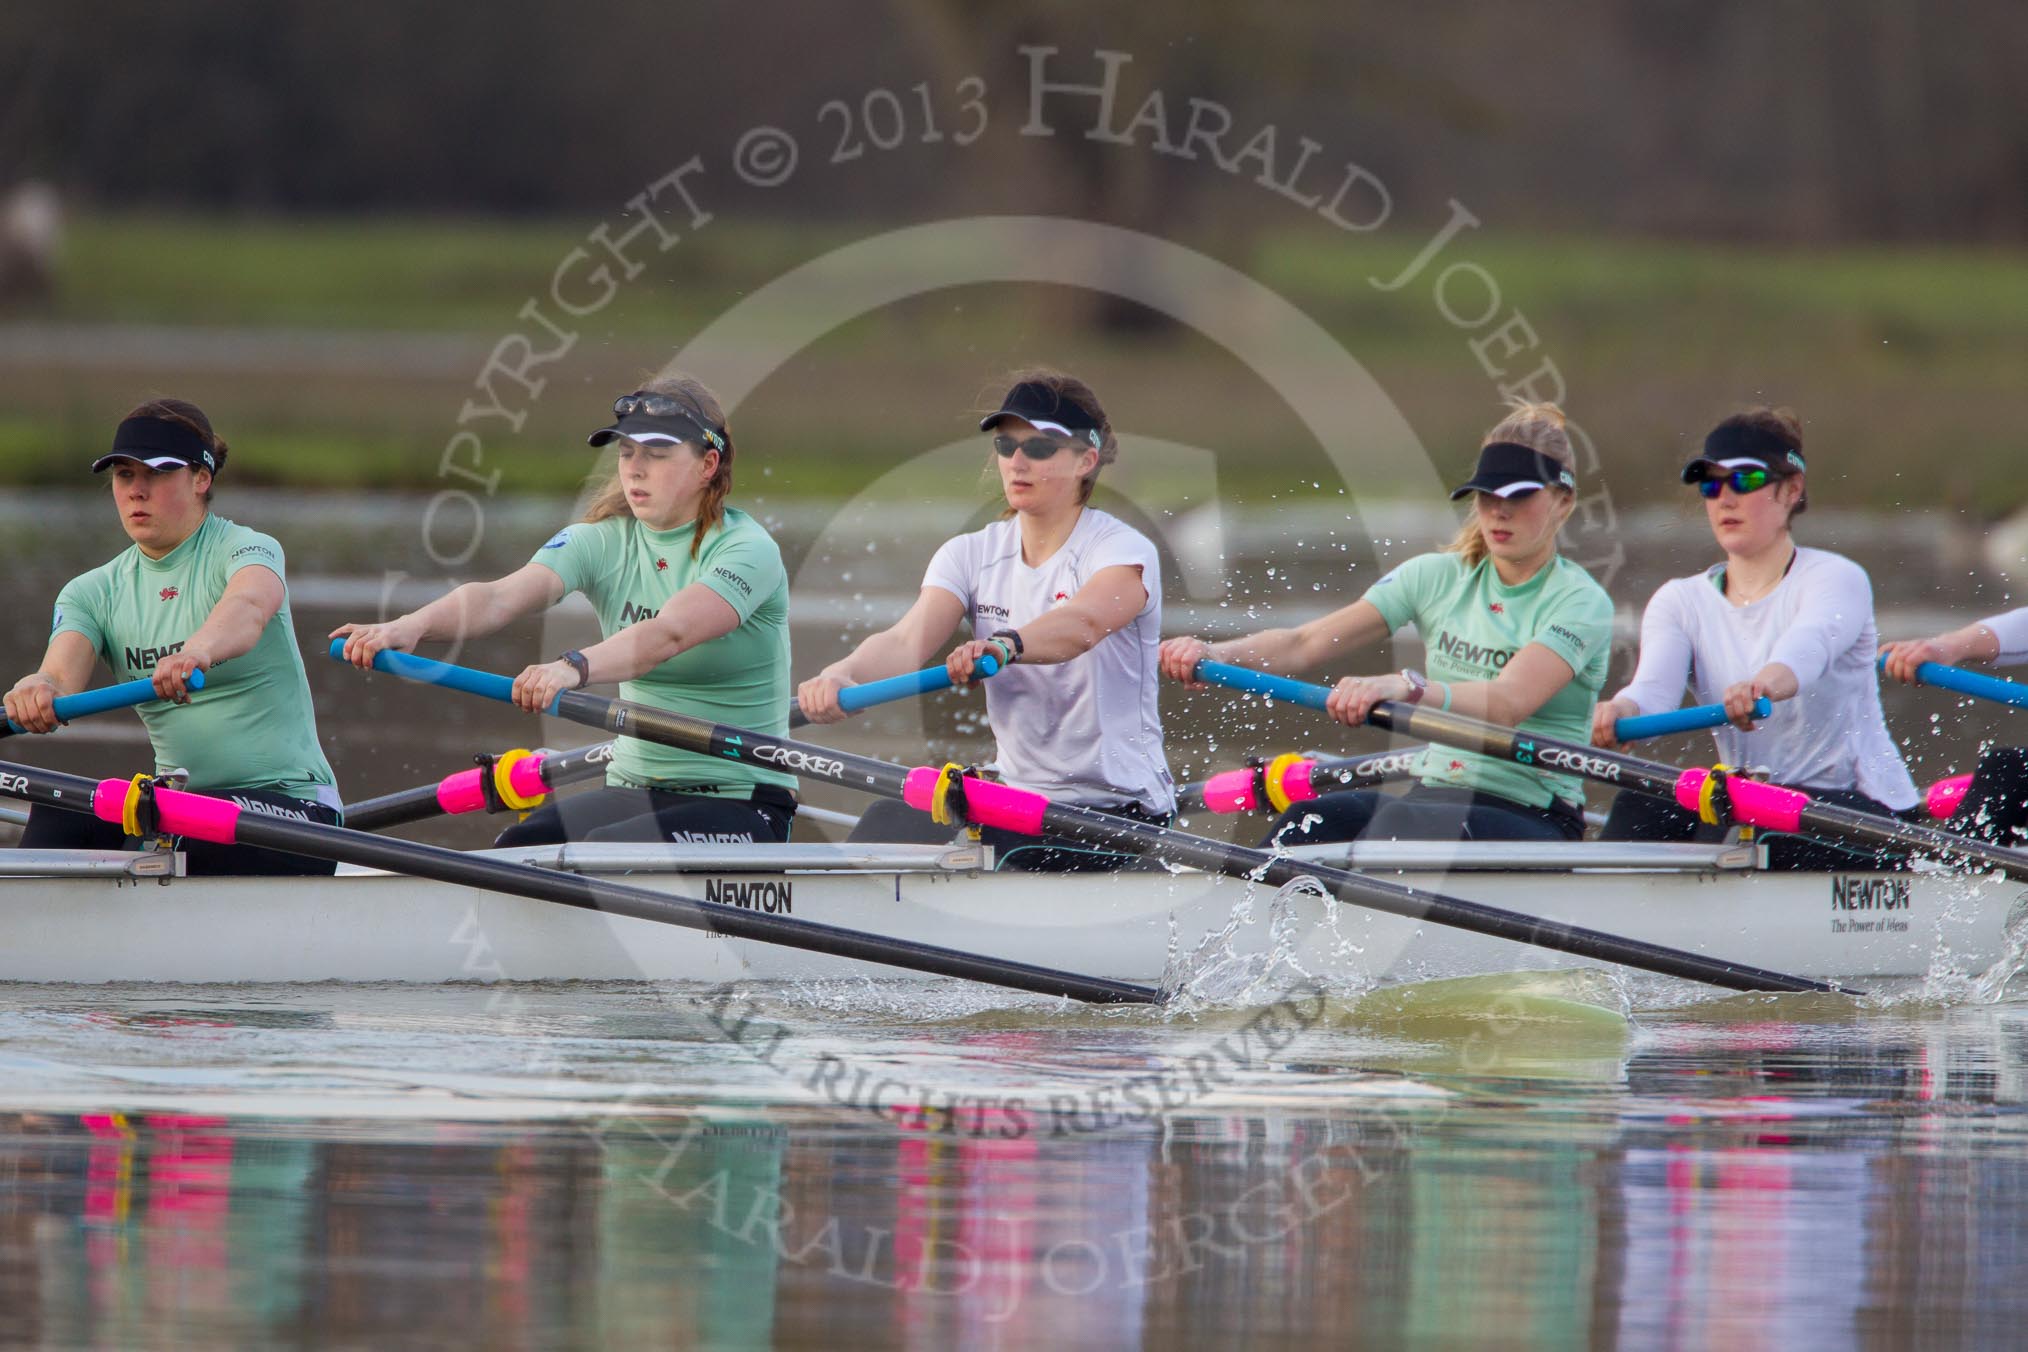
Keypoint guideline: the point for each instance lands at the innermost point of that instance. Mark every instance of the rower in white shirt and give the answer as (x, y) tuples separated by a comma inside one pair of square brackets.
[(1067, 599), (1774, 620)]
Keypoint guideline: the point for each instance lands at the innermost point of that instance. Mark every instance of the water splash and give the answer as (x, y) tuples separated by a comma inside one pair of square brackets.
[(1230, 967)]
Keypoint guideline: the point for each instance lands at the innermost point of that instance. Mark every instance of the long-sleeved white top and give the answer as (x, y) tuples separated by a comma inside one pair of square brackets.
[(1818, 622), (2012, 631)]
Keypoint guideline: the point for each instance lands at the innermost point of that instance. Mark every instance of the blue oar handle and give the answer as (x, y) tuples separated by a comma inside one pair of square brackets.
[(429, 671), (124, 695), (1260, 683), (929, 680), (1313, 696), (491, 686), (1975, 683), (1681, 720)]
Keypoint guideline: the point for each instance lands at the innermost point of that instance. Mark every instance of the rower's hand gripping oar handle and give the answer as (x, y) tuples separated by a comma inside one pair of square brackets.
[(1977, 684), (88, 702), (1310, 696)]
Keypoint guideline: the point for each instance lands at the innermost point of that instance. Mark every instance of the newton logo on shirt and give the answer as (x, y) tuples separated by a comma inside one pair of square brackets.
[(1472, 654)]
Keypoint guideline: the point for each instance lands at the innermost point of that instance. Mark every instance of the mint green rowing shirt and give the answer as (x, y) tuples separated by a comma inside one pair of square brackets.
[(628, 572), (1472, 624), (252, 726)]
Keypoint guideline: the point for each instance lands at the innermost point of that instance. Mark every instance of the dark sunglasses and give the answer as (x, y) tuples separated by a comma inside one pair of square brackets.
[(654, 405), (1035, 448), (1741, 481)]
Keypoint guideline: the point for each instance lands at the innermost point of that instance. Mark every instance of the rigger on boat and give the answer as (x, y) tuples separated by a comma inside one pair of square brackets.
[(1480, 867)]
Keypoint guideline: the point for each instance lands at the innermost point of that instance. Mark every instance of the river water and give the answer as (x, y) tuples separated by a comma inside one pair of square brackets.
[(1526, 1160), (373, 1166)]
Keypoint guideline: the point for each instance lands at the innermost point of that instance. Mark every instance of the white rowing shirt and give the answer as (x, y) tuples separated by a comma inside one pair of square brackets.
[(2012, 631), (1087, 730), (1818, 622)]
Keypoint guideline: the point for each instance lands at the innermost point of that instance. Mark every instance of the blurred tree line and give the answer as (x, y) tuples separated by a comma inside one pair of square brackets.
[(1812, 120)]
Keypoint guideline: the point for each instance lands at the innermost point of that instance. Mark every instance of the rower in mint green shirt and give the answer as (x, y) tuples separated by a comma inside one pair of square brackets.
[(1515, 634), (628, 572), (195, 592), (693, 603), (1473, 624), (252, 725)]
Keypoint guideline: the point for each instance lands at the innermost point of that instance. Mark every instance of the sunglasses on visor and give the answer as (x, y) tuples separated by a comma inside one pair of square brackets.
[(1035, 448), (653, 405), (1740, 481)]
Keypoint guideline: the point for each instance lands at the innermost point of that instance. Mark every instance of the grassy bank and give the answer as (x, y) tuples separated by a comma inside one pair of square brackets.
[(1905, 364)]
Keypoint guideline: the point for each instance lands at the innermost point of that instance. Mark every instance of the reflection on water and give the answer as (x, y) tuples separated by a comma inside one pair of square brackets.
[(1746, 1173)]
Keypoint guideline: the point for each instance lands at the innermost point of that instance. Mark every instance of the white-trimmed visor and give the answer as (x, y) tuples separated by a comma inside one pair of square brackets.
[(154, 462)]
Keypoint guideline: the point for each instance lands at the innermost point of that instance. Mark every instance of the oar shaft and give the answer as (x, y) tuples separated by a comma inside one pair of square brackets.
[(1614, 768), (208, 818), (1142, 838), (88, 702), (463, 792), (1770, 806)]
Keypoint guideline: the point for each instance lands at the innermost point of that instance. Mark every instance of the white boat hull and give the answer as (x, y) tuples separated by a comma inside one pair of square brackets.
[(364, 926)]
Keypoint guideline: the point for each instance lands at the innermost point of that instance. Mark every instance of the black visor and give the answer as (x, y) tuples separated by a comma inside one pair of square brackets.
[(1046, 411), (158, 443), (658, 419), (1508, 469), (649, 430), (1732, 446)]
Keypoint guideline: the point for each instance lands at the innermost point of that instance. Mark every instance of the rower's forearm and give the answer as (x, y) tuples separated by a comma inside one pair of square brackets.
[(1779, 681), (882, 655), (1973, 643), (1059, 636), (1483, 700), (231, 630), (472, 610), (1503, 700), (634, 652)]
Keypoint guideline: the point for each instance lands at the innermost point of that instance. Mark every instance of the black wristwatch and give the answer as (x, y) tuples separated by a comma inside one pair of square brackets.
[(580, 665), (1013, 636)]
